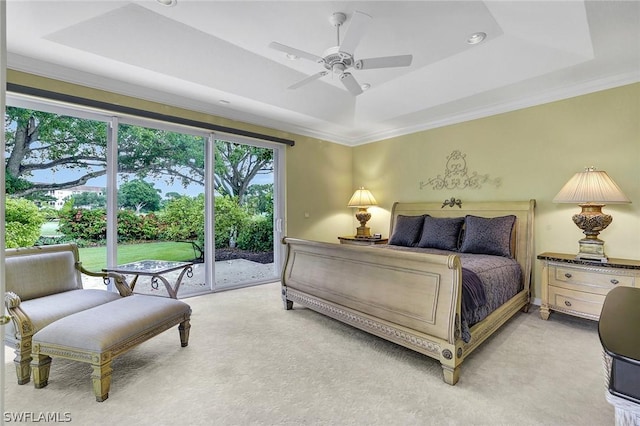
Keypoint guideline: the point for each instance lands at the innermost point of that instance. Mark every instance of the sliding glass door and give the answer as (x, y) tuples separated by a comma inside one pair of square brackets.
[(247, 213), (127, 190)]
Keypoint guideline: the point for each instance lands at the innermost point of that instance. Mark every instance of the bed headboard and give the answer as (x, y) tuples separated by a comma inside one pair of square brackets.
[(522, 210)]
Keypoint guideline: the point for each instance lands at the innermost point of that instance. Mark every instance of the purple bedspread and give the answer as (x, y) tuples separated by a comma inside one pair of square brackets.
[(473, 294)]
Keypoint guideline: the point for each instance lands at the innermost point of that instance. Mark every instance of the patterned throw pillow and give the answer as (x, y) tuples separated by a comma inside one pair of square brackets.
[(441, 232), (488, 235), (407, 230)]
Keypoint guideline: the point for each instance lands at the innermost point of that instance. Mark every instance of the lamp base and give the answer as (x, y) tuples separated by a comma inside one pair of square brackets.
[(363, 217), (363, 232), (592, 250)]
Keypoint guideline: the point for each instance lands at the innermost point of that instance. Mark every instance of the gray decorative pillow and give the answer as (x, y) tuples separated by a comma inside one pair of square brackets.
[(441, 232), (488, 235), (406, 230)]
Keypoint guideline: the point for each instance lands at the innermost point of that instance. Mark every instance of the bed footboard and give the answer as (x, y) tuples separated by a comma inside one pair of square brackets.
[(412, 299)]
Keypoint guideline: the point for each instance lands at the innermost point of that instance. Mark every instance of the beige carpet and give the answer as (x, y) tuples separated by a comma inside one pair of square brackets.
[(250, 362)]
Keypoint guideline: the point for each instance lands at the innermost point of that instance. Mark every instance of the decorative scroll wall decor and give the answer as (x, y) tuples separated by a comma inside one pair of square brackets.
[(457, 176)]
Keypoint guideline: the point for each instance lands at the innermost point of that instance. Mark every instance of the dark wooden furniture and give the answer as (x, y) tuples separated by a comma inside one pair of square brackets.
[(369, 241), (619, 330)]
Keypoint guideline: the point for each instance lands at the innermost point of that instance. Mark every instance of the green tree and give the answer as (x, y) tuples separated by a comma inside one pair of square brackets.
[(171, 195), (236, 165), (89, 200), (139, 195), (259, 199), (183, 218), (15, 185), (22, 223), (230, 218), (82, 224), (37, 141)]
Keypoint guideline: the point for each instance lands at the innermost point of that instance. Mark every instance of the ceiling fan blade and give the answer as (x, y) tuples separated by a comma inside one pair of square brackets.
[(357, 28), (293, 51), (350, 83), (384, 62), (308, 79)]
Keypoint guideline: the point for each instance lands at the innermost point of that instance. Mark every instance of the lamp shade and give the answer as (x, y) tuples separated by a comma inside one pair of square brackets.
[(362, 198), (591, 186)]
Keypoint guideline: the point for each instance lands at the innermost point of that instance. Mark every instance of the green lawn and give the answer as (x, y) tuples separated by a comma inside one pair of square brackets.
[(95, 258), (50, 229)]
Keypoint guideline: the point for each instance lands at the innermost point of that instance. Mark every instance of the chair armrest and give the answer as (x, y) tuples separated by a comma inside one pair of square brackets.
[(119, 280), (21, 320), (85, 271), (121, 284)]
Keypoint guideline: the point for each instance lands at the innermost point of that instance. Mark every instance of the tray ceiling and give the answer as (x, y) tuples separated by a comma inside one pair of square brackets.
[(214, 57)]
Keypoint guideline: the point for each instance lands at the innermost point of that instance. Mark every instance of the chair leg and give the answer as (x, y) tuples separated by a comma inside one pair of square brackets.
[(23, 360), (101, 377), (40, 365), (183, 328)]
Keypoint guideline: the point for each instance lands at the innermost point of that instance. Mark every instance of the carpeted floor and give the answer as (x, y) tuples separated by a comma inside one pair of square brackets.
[(250, 362)]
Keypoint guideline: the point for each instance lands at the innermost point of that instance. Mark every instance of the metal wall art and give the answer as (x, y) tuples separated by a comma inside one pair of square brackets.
[(457, 176)]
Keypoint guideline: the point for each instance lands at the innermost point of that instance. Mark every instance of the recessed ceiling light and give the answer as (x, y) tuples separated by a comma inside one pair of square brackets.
[(365, 86), (167, 2), (477, 38), (292, 56)]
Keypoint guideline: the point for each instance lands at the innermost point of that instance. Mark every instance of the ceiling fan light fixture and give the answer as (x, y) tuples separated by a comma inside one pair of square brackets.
[(168, 3), (477, 38), (338, 60)]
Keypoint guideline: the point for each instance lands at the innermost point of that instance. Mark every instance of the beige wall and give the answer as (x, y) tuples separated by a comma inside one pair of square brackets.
[(318, 189), (534, 152)]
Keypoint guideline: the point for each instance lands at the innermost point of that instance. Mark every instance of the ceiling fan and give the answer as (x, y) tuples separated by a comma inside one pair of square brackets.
[(338, 59)]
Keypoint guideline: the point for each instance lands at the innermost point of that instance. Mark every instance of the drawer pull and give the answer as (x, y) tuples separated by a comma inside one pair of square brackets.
[(614, 281), (566, 302), (568, 275)]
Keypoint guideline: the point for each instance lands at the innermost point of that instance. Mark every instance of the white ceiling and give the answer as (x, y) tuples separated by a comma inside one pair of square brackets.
[(197, 53)]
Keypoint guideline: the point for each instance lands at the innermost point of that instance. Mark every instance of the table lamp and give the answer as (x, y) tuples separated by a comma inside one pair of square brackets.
[(362, 199), (591, 190)]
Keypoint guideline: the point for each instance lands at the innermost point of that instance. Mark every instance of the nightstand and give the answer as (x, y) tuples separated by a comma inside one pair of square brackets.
[(579, 287), (362, 241)]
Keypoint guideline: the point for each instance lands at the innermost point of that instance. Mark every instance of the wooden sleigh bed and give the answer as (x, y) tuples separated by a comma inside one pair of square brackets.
[(413, 296)]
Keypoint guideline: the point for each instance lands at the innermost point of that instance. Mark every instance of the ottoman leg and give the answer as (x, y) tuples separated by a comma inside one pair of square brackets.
[(40, 365), (101, 377), (183, 328)]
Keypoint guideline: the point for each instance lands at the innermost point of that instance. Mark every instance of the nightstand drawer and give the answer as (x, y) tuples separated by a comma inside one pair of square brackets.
[(588, 280), (575, 301), (579, 287)]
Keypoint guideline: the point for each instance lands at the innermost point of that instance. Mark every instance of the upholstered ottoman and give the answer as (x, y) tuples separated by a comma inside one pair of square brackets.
[(99, 334)]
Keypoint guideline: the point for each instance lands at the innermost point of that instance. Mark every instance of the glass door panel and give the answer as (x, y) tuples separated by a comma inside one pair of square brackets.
[(244, 181), (55, 176), (161, 205)]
